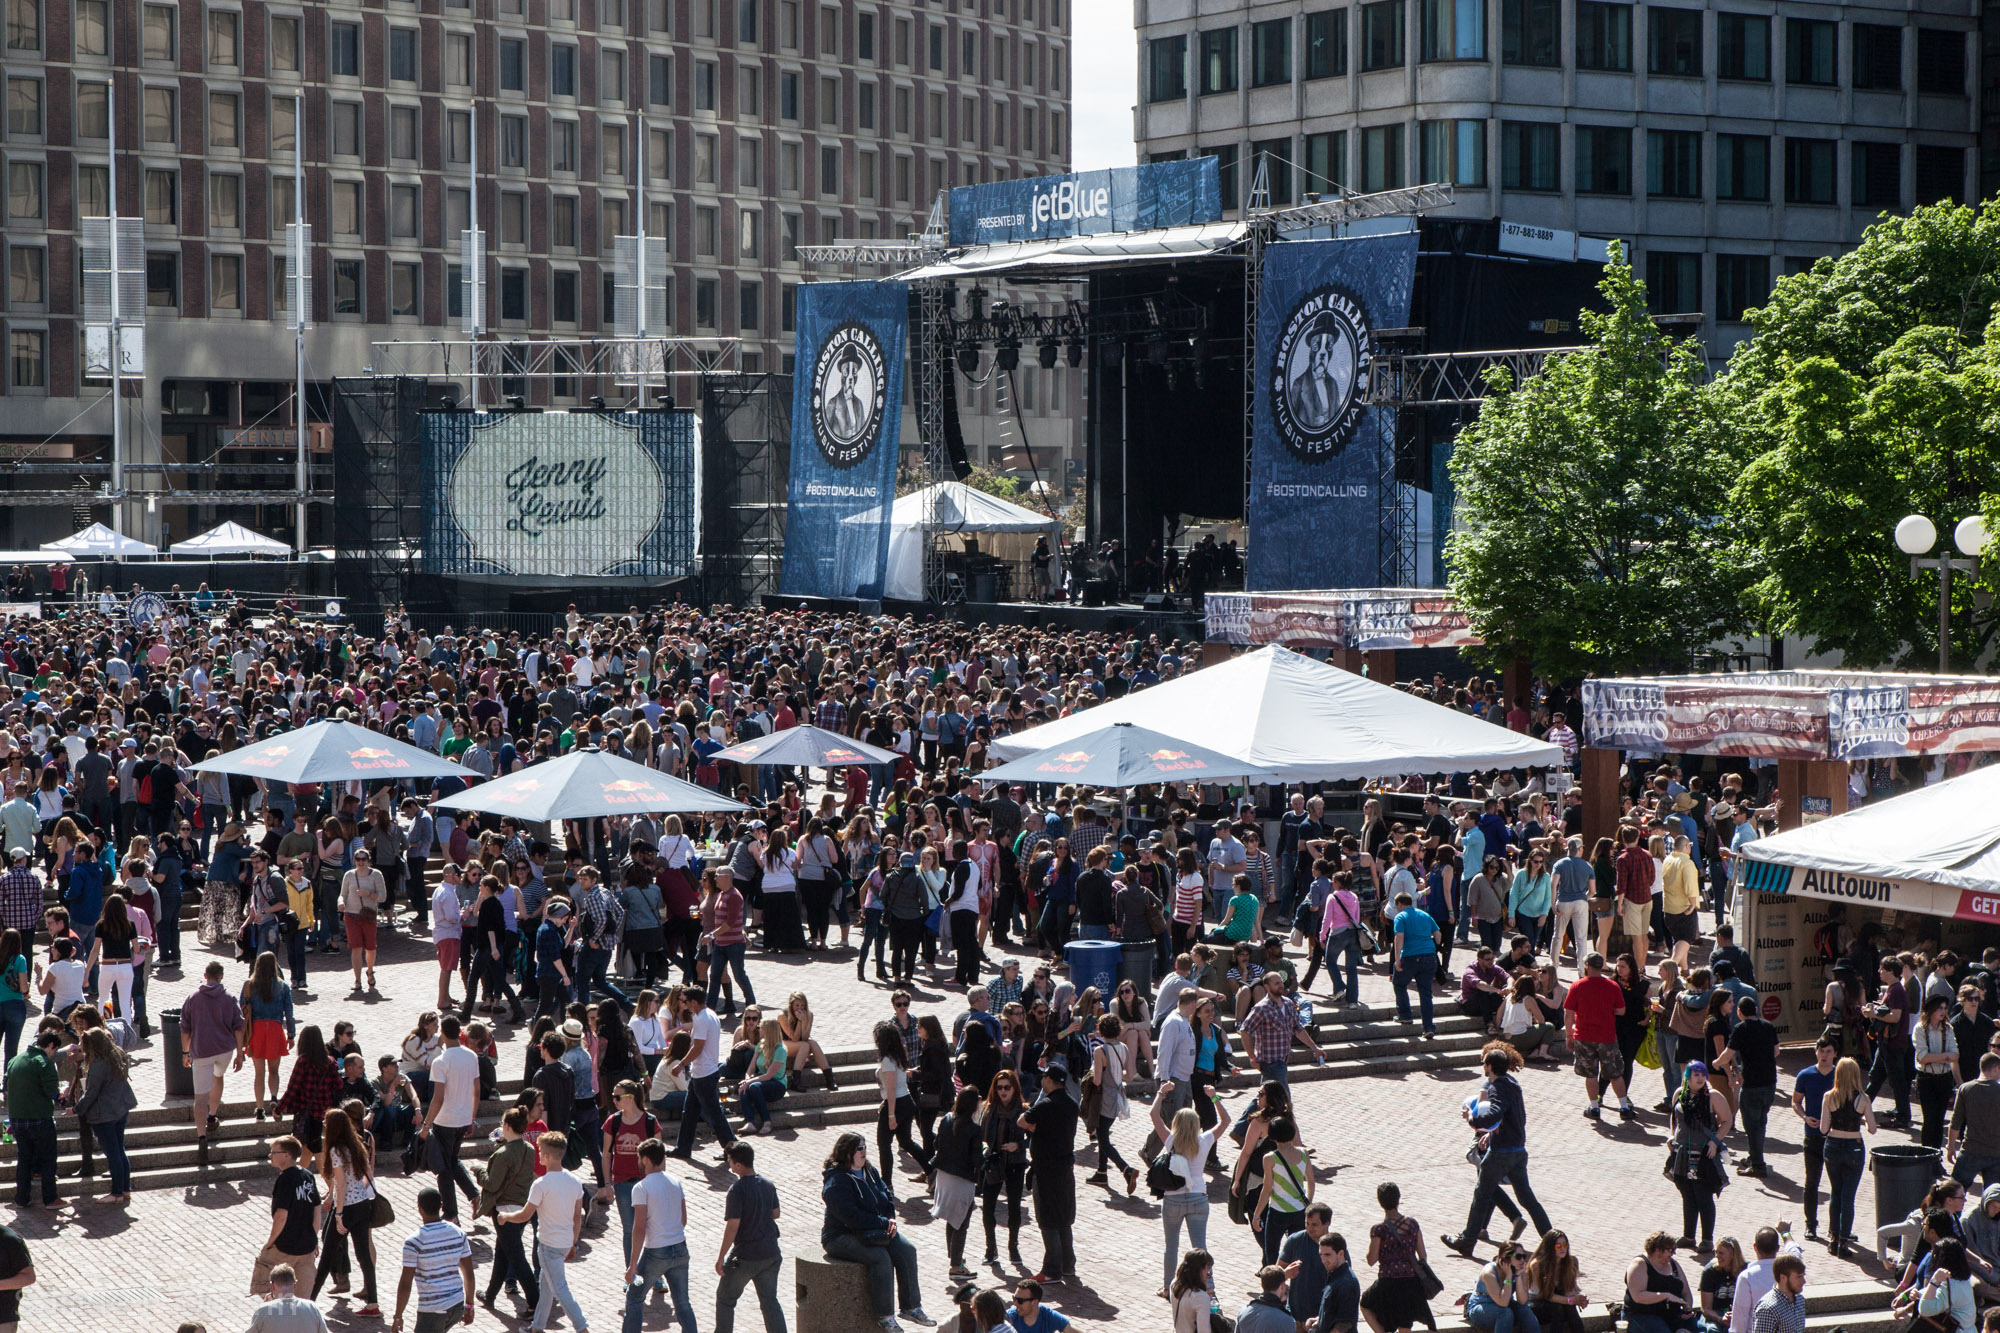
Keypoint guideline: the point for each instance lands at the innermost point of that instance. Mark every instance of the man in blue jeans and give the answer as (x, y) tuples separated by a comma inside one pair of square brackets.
[(1501, 1117), (1972, 1148), (658, 1241), (598, 923), (1416, 961)]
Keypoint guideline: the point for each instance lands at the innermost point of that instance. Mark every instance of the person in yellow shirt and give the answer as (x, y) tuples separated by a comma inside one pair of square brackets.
[(299, 897), (1680, 900)]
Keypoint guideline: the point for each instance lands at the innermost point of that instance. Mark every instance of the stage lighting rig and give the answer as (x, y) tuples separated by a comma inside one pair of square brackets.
[(1046, 353)]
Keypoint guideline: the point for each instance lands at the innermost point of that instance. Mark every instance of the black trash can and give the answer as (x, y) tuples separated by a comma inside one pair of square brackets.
[(1135, 964), (1904, 1173), (180, 1079)]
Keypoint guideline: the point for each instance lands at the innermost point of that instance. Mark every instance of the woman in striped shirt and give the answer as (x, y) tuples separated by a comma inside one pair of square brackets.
[(1190, 888)]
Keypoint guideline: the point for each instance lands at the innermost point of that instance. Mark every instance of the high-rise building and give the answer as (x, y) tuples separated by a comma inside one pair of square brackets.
[(756, 125), (1727, 142)]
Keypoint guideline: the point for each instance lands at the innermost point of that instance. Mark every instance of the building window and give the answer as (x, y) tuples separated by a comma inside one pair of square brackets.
[(159, 118), (1531, 32), (458, 59), (224, 49), (1530, 156), (93, 190), (1454, 29), (27, 359), (1940, 174), (93, 27), (24, 25), (659, 155), (707, 229), (406, 284), (562, 221), (346, 52), (1453, 151), (562, 296), (1381, 158), (749, 163), (93, 110), (283, 197), (285, 43), (403, 133), (346, 208), (163, 280), (225, 282), (1878, 57), (156, 34), (514, 217), (1603, 159), (707, 148), (1741, 283), (1673, 282), (1166, 68), (225, 200), (25, 192), (1324, 163), (1603, 36), (1673, 41), (563, 146), (704, 303), (225, 120), (403, 55), (829, 171), (1811, 52), (1743, 167), (705, 80), (788, 307), (24, 108), (404, 208), (1218, 61), (611, 78), (1877, 171), (1673, 164), (1941, 62), (284, 124), (1275, 155), (1382, 34), (562, 70), (513, 64), (457, 136), (1270, 53), (345, 119), (1225, 171), (749, 305), (513, 141), (163, 197), (514, 293), (1742, 46), (750, 233), (1809, 171), (27, 275), (1326, 43)]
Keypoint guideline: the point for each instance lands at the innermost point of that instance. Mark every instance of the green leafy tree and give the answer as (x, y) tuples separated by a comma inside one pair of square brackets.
[(1589, 500), (1868, 392)]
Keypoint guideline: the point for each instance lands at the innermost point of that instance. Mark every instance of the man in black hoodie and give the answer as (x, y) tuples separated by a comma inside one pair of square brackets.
[(1051, 1126)]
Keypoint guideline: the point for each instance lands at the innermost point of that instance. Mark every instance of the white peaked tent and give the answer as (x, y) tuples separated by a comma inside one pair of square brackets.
[(99, 540), (1293, 719), (230, 538), (962, 511)]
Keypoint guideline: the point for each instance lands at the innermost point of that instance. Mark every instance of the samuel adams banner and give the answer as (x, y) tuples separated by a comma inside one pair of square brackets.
[(1316, 453), (847, 416)]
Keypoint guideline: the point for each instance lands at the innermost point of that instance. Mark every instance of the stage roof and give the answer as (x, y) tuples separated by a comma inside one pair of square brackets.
[(1086, 252)]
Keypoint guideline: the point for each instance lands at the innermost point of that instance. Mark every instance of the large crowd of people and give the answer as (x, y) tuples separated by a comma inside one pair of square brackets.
[(607, 957)]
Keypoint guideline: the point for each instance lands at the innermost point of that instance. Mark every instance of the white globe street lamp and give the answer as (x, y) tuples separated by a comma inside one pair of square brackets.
[(1916, 537), (1970, 536)]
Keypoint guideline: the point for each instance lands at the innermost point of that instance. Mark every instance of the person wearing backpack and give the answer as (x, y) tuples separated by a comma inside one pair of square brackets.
[(904, 907), (624, 1130)]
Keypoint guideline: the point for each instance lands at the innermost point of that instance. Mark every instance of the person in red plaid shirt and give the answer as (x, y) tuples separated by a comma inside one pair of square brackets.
[(1269, 1028), (313, 1088)]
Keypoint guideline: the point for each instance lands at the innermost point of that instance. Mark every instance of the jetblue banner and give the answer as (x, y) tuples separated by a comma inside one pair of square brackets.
[(1160, 194), (1317, 450), (847, 416)]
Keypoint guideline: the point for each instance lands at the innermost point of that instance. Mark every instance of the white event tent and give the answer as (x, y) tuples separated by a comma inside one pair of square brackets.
[(230, 538), (1928, 850), (99, 540), (962, 511), (1293, 719)]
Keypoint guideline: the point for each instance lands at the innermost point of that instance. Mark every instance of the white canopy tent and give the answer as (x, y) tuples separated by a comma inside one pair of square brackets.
[(1293, 719), (98, 540), (230, 538), (1931, 850), (1002, 528)]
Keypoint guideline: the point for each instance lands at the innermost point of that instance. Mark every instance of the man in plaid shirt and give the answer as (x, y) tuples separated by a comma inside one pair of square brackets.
[(600, 919), (21, 899), (831, 715), (1268, 1030)]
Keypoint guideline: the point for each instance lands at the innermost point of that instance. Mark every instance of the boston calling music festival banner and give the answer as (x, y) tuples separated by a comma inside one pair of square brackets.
[(1317, 449), (847, 417)]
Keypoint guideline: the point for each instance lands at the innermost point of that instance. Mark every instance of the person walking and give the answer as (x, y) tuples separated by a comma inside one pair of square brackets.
[(211, 1024), (1590, 1012), (1287, 1189), (1189, 1148), (1051, 1125), (1417, 937), (861, 1227), (285, 1312), (1936, 1056), (959, 1148), (749, 1253), (1395, 1299), (1972, 1148), (453, 1106), (510, 1173), (105, 1104), (347, 1174), (656, 1250), (1809, 1091), (557, 1199), (1846, 1113), (297, 1211), (32, 1089), (1751, 1061), (1175, 1061), (437, 1262), (1110, 1061), (1700, 1119), (702, 1066), (1005, 1165), (1500, 1116), (896, 1115)]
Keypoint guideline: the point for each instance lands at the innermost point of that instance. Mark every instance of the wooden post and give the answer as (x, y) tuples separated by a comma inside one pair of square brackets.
[(1801, 780), (1598, 776), (1347, 659), (1213, 654), (1514, 683), (1381, 666)]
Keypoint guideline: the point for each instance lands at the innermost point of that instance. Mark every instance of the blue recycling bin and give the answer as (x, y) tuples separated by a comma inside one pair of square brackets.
[(1094, 963)]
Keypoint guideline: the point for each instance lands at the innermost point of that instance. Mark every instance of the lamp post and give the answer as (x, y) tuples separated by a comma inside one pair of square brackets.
[(1915, 537)]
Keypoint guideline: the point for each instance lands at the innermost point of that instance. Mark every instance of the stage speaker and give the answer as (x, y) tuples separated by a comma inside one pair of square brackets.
[(1096, 592), (1158, 601), (954, 434)]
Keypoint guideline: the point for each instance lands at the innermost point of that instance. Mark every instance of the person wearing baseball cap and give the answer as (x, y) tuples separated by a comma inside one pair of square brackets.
[(1051, 1124)]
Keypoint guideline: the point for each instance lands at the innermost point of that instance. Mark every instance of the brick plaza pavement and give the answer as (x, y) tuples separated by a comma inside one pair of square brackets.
[(185, 1253)]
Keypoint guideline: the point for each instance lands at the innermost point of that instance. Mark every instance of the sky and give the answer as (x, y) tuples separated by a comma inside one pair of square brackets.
[(1103, 81)]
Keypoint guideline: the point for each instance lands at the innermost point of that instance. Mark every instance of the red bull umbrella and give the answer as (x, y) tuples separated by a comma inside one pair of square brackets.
[(584, 784), (330, 752), (1120, 755), (806, 747)]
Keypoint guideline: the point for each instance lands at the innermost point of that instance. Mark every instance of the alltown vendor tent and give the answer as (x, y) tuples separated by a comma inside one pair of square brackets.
[(1935, 851), (98, 540), (230, 538), (1293, 719), (1001, 528)]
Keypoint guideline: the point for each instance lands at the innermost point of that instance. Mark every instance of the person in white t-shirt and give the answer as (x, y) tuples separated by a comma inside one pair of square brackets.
[(658, 1243), (703, 1068), (454, 1106), (557, 1198), (62, 981)]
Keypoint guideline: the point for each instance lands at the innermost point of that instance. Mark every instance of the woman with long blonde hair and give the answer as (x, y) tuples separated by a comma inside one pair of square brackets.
[(1846, 1113)]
